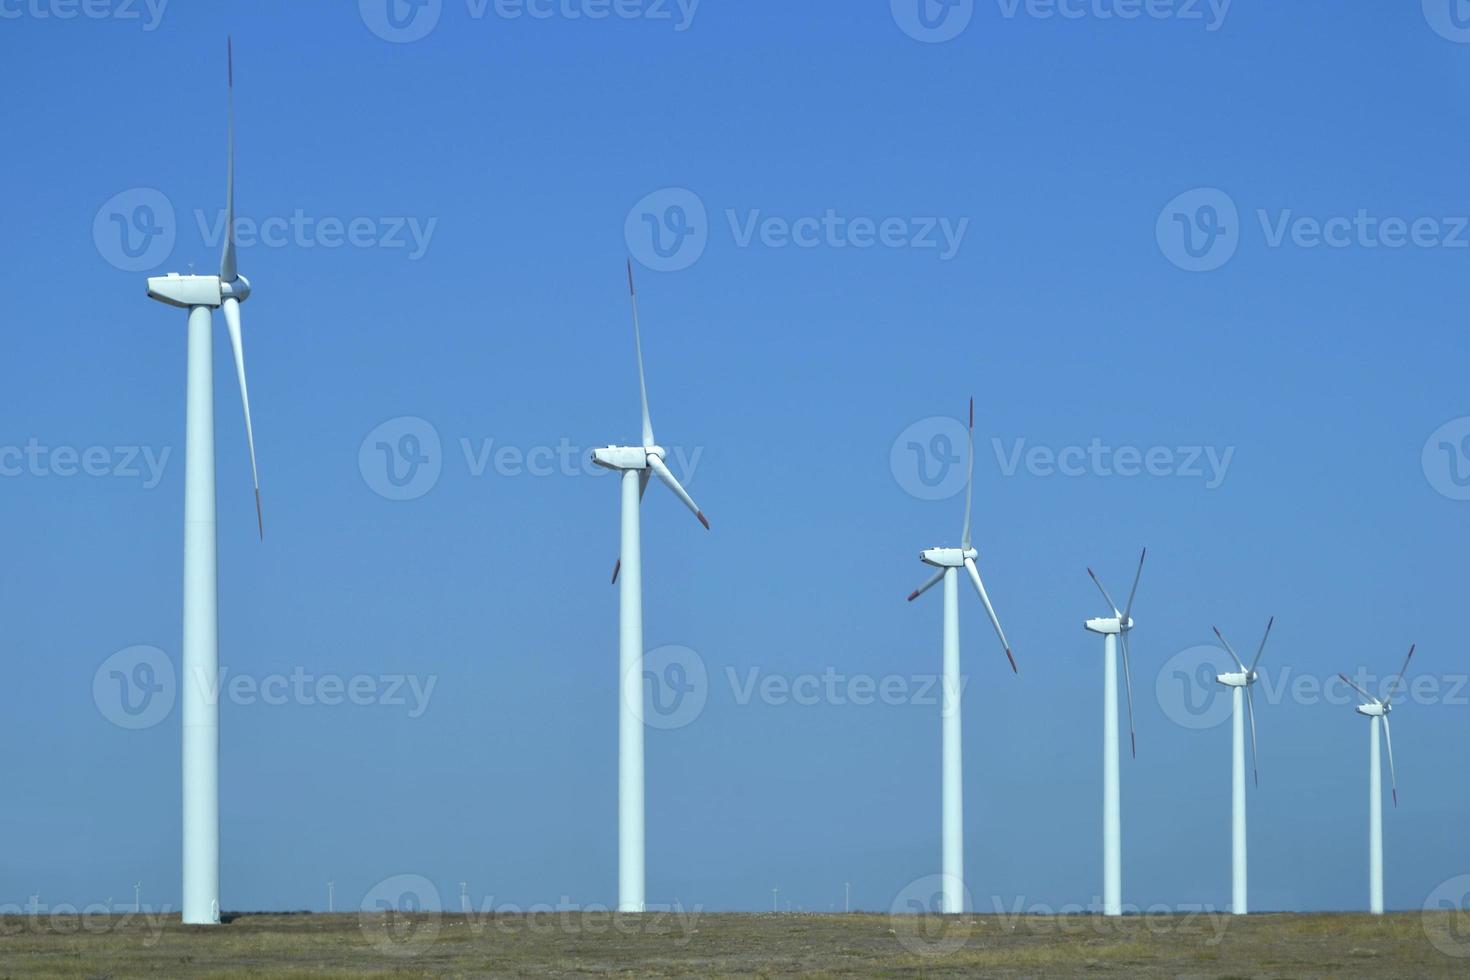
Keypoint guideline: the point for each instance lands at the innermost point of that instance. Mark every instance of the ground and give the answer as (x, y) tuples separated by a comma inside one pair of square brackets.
[(703, 945)]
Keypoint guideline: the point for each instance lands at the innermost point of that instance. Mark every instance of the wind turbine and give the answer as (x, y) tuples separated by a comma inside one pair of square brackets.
[(1377, 711), (636, 464), (1113, 629), (949, 561), (201, 295), (1240, 684)]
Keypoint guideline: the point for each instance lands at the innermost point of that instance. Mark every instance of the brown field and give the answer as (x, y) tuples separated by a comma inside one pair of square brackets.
[(703, 945)]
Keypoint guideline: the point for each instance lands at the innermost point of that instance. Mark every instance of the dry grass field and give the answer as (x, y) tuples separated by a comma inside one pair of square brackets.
[(713, 945)]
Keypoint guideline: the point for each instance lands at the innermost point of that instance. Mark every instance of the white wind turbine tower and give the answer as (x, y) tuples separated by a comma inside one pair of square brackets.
[(1240, 684), (636, 464), (201, 295), (1114, 629), (949, 561), (1378, 710)]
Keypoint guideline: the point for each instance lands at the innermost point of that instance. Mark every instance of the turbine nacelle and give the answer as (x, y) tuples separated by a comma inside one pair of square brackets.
[(188, 292), (948, 557), (1239, 678), (1375, 710), (1114, 625), (626, 457)]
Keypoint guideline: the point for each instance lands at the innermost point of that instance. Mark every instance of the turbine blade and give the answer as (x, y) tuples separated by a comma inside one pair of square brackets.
[(1394, 683), (662, 472), (1355, 687), (1128, 684), (642, 489), (1250, 708), (969, 481), (638, 347), (231, 307), (929, 583), (1098, 582), (1128, 609), (1262, 648), (1229, 648), (1393, 779), (227, 270), (990, 611)]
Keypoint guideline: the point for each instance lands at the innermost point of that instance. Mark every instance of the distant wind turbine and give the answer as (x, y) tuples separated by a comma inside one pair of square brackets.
[(1377, 711), (201, 295), (1114, 628), (636, 464), (949, 561), (1240, 684)]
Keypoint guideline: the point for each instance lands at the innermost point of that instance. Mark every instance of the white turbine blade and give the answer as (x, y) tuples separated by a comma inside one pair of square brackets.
[(662, 472), (990, 611), (969, 482), (1128, 609), (231, 307), (1262, 648), (1098, 582), (1393, 780), (929, 583), (1229, 648), (1250, 709), (638, 346), (227, 270), (1394, 683), (1355, 687), (1128, 684), (642, 489)]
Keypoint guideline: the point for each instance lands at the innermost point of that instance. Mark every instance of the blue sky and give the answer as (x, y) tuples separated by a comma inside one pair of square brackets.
[(803, 328)]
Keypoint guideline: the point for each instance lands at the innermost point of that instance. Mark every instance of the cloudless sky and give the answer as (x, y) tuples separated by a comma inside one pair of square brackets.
[(793, 370)]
